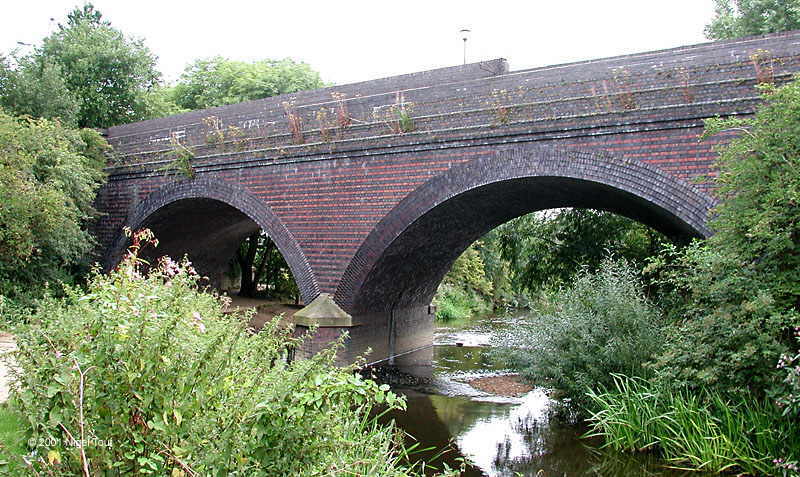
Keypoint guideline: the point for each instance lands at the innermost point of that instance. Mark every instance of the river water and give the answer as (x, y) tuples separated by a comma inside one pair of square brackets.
[(501, 436)]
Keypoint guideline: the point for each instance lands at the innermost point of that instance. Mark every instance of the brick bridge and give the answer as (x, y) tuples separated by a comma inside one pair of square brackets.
[(371, 190)]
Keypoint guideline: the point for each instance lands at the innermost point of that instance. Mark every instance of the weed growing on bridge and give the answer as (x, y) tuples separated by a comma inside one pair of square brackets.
[(214, 133), (686, 89), (181, 163), (295, 122), (622, 79), (405, 123), (217, 134), (499, 101), (763, 64), (342, 114), (325, 125), (397, 117)]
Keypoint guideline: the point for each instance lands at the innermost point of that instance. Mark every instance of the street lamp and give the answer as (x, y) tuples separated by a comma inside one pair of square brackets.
[(465, 32)]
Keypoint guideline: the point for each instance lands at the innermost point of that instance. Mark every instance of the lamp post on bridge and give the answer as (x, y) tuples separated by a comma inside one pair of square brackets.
[(465, 32)]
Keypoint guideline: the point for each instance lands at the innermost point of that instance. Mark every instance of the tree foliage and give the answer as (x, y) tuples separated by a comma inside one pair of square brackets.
[(108, 72), (738, 18), (548, 249), (48, 178), (743, 284), (263, 270), (217, 81), (466, 290), (87, 74), (36, 87)]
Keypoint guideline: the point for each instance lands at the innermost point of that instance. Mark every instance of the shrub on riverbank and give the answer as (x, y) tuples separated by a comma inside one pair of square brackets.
[(718, 400), (147, 375), (465, 290), (580, 335)]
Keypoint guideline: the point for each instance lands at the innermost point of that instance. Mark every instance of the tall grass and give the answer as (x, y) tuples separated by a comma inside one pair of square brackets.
[(695, 431), (12, 441)]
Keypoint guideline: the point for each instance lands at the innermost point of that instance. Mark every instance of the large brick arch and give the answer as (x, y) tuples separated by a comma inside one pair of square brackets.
[(223, 214), (404, 258)]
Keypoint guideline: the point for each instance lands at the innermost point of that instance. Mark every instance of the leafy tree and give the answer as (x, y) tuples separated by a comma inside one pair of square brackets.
[(548, 249), (106, 71), (85, 14), (158, 103), (261, 265), (218, 81), (468, 270), (48, 178), (466, 290), (738, 18), (743, 283), (36, 87)]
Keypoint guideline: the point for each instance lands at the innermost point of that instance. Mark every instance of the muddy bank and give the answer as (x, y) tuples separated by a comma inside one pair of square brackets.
[(508, 385), (265, 310)]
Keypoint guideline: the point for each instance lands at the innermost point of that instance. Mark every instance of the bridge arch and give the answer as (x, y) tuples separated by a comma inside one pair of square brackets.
[(209, 218), (405, 257)]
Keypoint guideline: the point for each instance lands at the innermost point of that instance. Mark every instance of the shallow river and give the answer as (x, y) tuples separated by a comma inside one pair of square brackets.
[(501, 436)]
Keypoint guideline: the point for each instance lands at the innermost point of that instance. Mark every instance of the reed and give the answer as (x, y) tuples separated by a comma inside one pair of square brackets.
[(704, 431)]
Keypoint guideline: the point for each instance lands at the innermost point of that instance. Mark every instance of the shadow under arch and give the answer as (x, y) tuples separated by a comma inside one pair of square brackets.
[(403, 260), (208, 218)]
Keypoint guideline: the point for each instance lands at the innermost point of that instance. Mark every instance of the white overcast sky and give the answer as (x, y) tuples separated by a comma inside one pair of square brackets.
[(348, 41)]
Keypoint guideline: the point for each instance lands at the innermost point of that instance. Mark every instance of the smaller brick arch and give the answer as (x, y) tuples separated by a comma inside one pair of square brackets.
[(227, 213), (404, 258)]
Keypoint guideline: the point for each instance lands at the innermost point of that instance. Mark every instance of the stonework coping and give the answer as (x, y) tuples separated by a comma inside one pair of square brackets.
[(323, 312)]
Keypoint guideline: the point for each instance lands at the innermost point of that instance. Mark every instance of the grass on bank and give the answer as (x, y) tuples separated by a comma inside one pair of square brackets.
[(12, 440), (696, 431)]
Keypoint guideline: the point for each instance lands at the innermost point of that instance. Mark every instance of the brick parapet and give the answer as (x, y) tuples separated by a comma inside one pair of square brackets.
[(692, 76)]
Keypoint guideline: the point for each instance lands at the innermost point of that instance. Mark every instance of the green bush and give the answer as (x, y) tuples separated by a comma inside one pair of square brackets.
[(152, 377), (701, 431), (742, 285), (465, 290), (48, 178), (12, 441), (454, 303), (580, 335)]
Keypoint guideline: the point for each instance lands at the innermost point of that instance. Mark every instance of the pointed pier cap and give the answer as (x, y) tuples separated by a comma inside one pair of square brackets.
[(322, 311)]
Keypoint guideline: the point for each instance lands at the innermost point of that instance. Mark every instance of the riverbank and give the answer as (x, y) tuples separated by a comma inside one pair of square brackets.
[(265, 310)]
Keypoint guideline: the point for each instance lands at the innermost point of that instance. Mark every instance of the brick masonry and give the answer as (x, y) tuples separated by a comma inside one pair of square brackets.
[(374, 211)]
